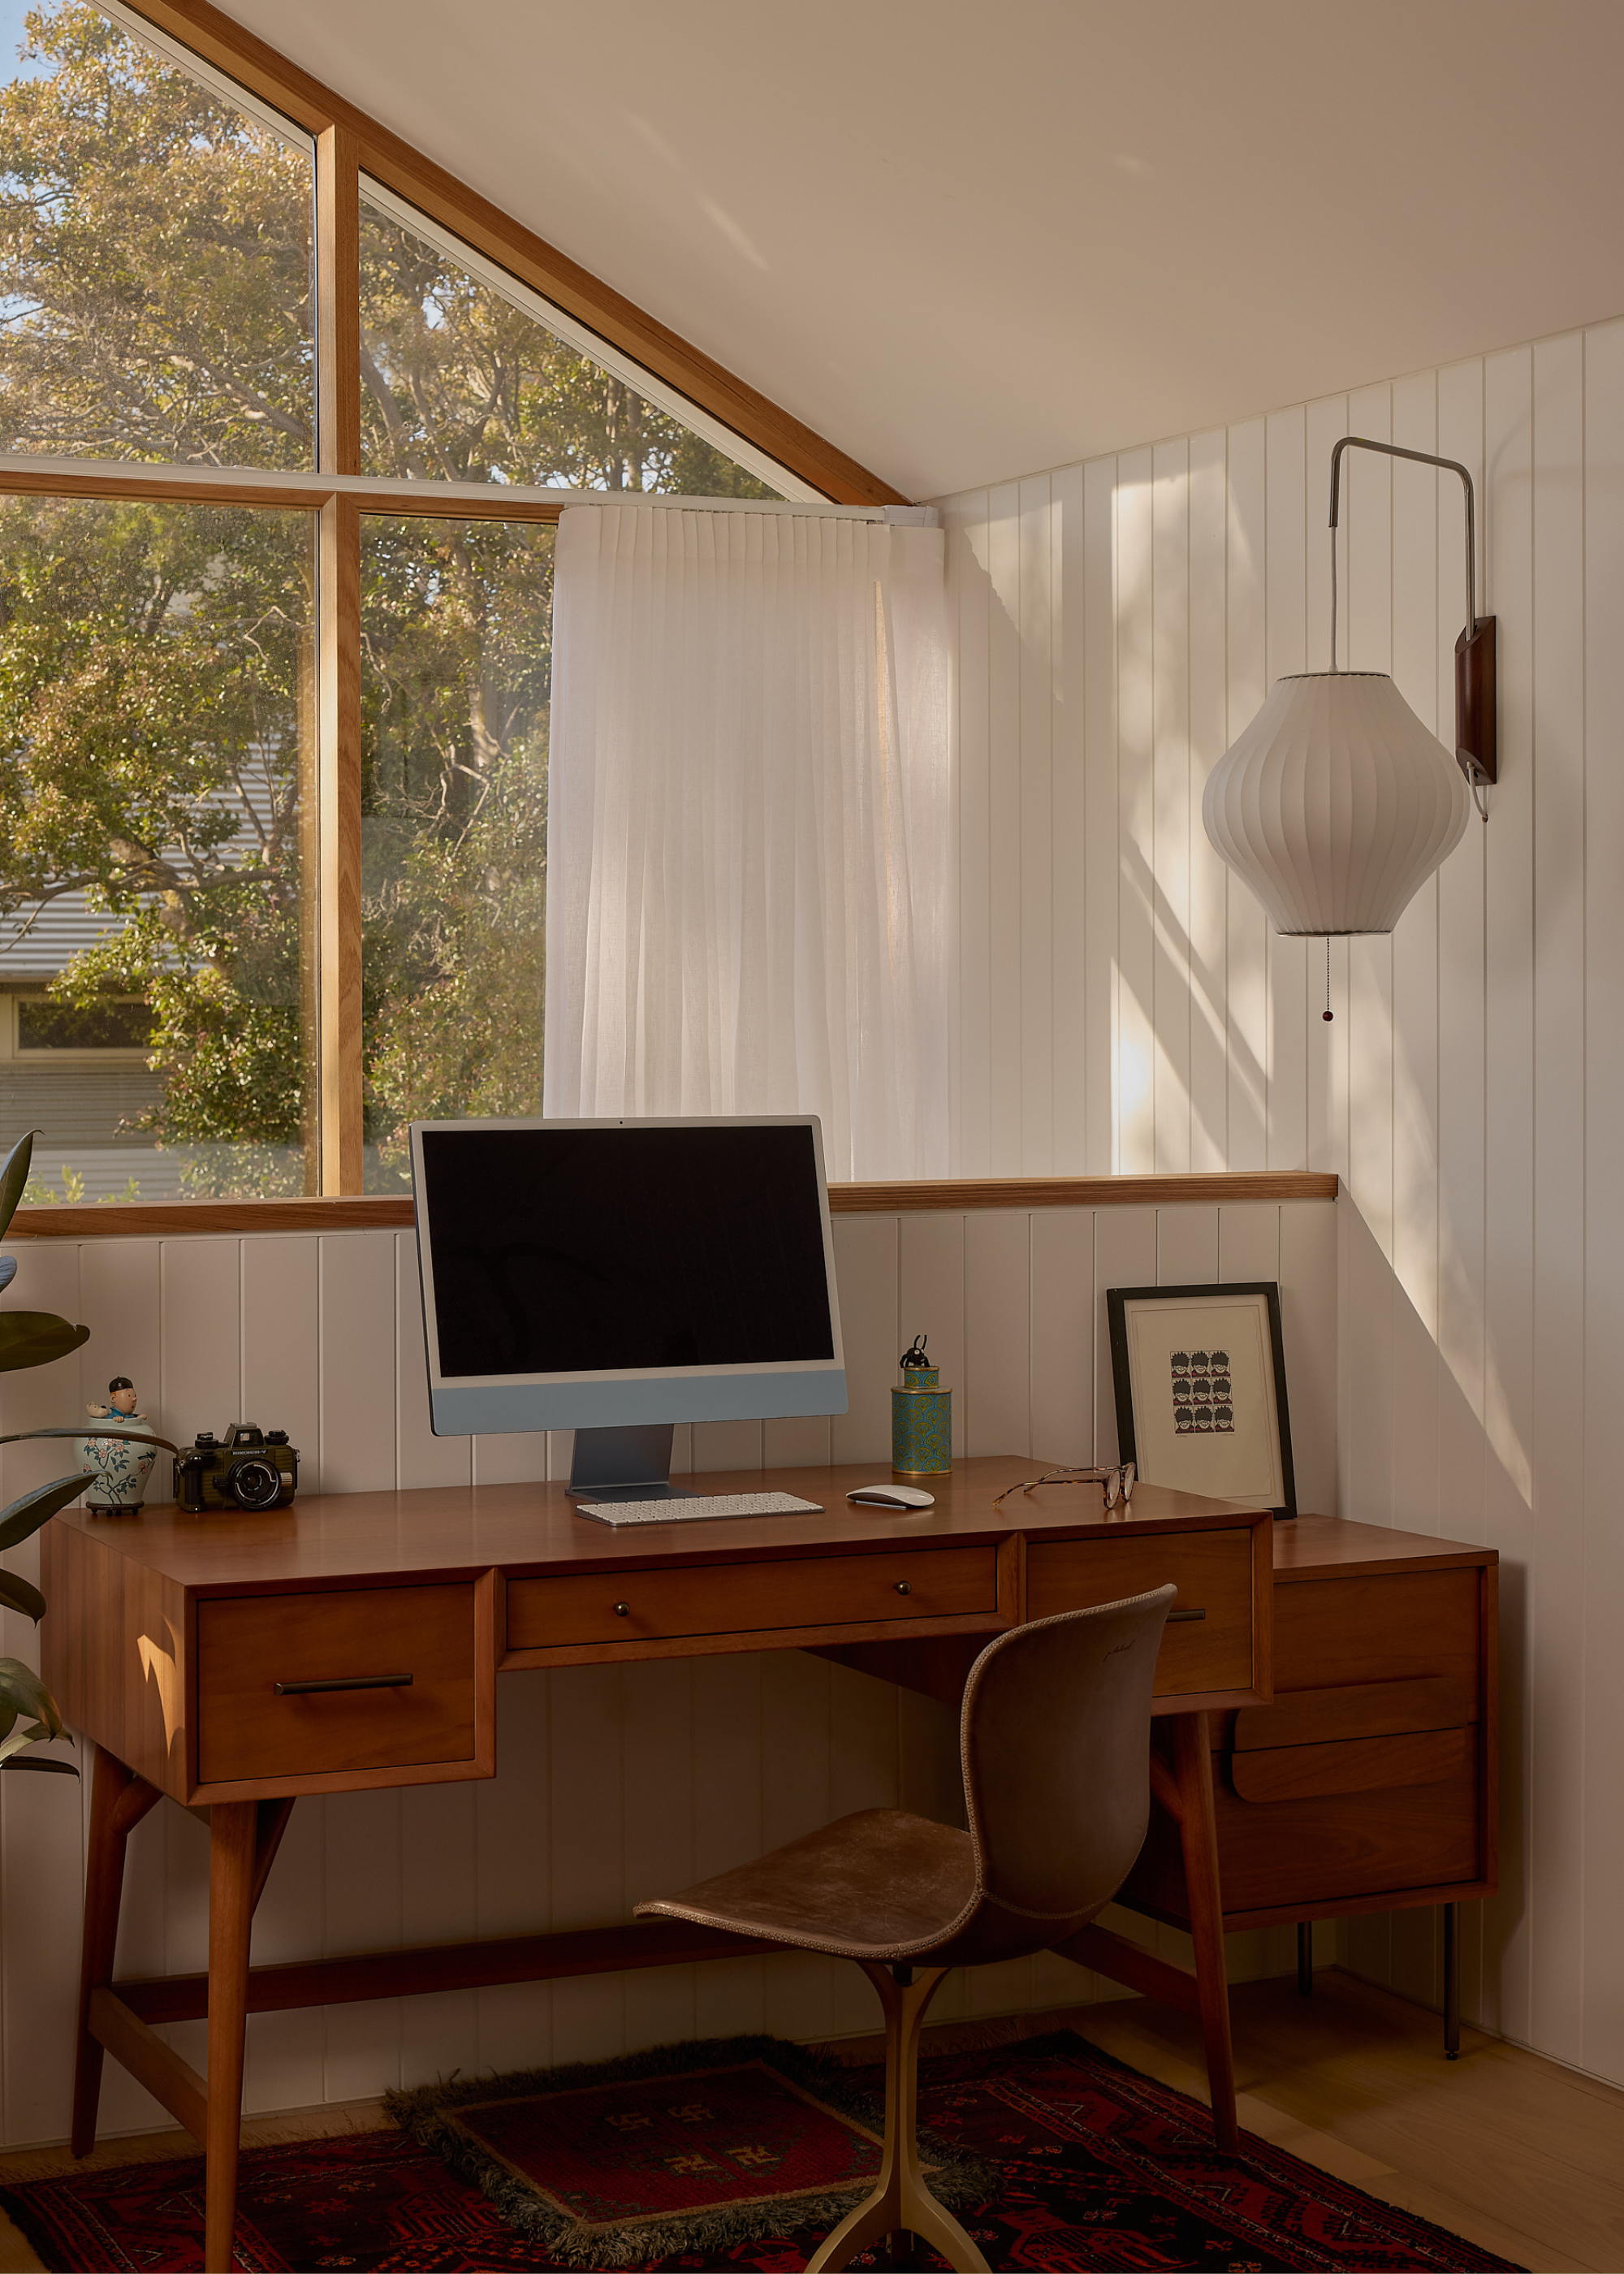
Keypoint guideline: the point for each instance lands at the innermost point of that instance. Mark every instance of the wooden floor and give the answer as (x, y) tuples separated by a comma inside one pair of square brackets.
[(1521, 2156)]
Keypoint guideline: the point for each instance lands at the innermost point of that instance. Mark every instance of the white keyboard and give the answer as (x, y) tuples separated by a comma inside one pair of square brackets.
[(701, 1507)]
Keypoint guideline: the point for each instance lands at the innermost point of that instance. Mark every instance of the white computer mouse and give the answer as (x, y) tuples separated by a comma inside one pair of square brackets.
[(907, 1497)]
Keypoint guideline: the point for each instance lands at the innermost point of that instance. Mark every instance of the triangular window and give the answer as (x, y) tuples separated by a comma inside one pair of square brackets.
[(466, 376)]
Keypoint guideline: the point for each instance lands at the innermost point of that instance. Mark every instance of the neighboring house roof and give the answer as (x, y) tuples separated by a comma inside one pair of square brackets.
[(35, 942)]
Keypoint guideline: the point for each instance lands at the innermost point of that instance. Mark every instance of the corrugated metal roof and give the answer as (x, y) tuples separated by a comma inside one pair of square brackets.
[(35, 944)]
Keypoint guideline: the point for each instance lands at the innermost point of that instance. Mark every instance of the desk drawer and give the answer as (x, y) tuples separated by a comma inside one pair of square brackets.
[(1308, 1824), (832, 1590), (249, 1644), (1408, 1626), (1211, 1571)]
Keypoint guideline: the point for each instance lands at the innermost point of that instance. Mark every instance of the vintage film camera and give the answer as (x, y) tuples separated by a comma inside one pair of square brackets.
[(247, 1468)]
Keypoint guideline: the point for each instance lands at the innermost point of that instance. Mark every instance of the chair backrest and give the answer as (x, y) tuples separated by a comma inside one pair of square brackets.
[(1055, 1739)]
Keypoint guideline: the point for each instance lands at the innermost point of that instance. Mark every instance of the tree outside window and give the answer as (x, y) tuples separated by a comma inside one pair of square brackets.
[(157, 686)]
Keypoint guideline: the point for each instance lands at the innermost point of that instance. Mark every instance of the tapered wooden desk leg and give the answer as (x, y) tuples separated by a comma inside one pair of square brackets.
[(118, 1800), (1197, 1830), (1452, 1982), (232, 1846)]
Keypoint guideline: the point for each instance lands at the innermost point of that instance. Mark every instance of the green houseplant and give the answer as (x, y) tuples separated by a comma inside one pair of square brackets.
[(28, 1713)]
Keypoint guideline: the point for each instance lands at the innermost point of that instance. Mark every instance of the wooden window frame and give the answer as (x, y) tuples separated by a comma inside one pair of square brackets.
[(349, 145)]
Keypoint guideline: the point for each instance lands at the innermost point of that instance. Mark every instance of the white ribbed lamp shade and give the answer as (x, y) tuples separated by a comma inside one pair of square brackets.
[(1336, 803)]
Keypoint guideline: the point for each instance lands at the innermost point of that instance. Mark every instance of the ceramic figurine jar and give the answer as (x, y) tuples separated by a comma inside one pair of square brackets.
[(118, 1472)]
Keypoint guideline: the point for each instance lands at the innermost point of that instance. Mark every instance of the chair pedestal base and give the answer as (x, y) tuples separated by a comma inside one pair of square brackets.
[(900, 2200)]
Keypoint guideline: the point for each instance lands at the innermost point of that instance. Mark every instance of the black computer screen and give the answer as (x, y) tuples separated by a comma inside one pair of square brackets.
[(572, 1251)]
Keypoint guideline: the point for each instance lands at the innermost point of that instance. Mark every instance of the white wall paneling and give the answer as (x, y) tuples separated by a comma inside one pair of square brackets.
[(1468, 1089), (614, 1782)]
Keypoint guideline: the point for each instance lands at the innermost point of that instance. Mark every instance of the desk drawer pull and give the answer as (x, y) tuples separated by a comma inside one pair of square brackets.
[(904, 1588), (622, 1610), (1173, 1616), (345, 1681)]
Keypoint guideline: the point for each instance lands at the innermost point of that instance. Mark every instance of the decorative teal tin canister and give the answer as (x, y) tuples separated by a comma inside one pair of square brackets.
[(921, 1418)]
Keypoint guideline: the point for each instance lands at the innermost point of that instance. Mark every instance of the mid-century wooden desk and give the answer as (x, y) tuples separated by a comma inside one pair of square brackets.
[(234, 1662)]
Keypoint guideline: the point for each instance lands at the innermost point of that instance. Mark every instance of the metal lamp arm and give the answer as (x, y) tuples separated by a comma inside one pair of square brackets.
[(1422, 458)]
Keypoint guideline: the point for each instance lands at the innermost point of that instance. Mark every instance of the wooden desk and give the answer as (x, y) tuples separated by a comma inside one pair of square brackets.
[(208, 1658), (1372, 1780)]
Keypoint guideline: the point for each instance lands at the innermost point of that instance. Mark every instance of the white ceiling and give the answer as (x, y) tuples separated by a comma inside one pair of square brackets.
[(966, 240)]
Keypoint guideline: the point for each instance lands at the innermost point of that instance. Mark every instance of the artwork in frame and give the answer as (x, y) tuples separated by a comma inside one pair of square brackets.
[(1200, 1379)]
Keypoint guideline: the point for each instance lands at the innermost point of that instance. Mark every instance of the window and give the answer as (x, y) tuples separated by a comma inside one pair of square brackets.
[(457, 647), (273, 714)]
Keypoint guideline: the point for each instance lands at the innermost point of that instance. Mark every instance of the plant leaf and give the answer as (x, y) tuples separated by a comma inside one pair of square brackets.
[(13, 1177), (35, 1338), (26, 1516), (86, 1429), (16, 1595), (51, 1768), (21, 1686), (37, 1735)]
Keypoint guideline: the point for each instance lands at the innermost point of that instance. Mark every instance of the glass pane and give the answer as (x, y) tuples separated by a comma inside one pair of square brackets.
[(155, 280), (457, 384), (156, 933), (456, 633)]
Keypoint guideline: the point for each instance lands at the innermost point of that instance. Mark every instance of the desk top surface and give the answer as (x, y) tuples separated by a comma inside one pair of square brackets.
[(525, 1529)]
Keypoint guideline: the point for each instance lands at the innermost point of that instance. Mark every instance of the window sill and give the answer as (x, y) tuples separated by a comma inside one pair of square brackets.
[(166, 1219)]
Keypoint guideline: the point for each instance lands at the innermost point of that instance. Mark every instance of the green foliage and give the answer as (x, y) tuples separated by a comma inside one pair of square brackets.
[(14, 1179), (16, 1595), (28, 1338), (456, 621), (156, 682), (39, 1192), (157, 248), (34, 1511), (459, 385), (22, 1691), (35, 1338)]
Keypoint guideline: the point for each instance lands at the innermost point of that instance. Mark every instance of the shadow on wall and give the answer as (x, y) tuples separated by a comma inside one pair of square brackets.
[(1415, 1454), (1180, 971)]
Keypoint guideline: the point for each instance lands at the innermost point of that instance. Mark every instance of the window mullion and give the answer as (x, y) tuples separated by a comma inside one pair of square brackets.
[(339, 822), (338, 415), (338, 302)]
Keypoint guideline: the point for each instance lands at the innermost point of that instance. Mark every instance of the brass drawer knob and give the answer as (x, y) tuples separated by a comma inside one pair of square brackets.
[(903, 1588), (622, 1610)]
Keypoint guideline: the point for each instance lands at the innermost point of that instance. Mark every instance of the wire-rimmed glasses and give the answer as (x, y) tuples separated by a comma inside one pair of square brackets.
[(1117, 1482)]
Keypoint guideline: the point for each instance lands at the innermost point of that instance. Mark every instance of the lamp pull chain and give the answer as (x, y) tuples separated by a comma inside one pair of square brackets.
[(1327, 1012)]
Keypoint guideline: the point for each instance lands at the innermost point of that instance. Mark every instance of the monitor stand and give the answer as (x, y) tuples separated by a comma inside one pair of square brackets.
[(631, 1463)]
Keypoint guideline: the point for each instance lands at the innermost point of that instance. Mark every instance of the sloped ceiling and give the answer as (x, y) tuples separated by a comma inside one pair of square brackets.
[(966, 240)]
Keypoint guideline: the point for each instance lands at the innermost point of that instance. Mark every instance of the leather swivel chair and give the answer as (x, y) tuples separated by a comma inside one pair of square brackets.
[(1055, 1741)]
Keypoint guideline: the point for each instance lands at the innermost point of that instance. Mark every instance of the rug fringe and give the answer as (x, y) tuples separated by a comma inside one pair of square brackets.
[(427, 2113)]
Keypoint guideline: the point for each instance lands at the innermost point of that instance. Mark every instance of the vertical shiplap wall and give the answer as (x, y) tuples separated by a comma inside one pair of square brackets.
[(1470, 1086), (614, 1782)]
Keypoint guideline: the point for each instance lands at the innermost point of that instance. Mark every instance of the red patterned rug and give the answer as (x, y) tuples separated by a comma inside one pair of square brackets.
[(1098, 2167)]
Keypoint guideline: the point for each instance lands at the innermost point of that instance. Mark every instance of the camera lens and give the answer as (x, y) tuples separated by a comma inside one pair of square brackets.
[(253, 1483)]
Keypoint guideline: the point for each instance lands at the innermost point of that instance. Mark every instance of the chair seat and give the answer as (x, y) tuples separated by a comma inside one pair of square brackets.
[(881, 1885)]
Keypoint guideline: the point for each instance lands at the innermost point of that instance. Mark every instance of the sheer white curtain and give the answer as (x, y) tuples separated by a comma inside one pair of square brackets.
[(749, 827)]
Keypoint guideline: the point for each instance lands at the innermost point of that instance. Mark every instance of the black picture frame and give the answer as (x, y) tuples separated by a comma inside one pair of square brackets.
[(1116, 1301)]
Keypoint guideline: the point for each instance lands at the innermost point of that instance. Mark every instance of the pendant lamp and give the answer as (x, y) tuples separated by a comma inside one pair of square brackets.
[(1336, 803)]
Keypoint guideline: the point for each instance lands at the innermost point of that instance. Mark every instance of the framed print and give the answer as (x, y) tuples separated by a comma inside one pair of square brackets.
[(1200, 1381)]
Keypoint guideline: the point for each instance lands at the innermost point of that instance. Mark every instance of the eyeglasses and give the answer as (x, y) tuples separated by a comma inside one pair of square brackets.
[(1118, 1482)]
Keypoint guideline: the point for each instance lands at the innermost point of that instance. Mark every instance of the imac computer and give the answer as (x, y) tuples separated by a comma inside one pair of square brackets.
[(616, 1277)]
